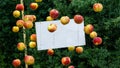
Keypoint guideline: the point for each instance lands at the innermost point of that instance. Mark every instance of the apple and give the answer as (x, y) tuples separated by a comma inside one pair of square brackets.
[(54, 13), (21, 46), (38, 0), (50, 52), (34, 17), (15, 28), (88, 28), (32, 44), (20, 7), (97, 7), (71, 66), (64, 20), (33, 6), (71, 48), (33, 37), (79, 49), (28, 24), (16, 63), (49, 18), (20, 23), (16, 13), (52, 27), (78, 19), (93, 34), (65, 61), (97, 40), (29, 60)]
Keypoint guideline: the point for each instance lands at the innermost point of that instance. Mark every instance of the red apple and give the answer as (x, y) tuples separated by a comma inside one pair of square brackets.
[(32, 44), (93, 34), (52, 27), (88, 28), (54, 13), (78, 19), (20, 7), (28, 24), (97, 40), (15, 28), (79, 49), (29, 60), (97, 7), (64, 20), (21, 46), (71, 66), (20, 23), (66, 61), (16, 63), (33, 6), (50, 52), (33, 37)]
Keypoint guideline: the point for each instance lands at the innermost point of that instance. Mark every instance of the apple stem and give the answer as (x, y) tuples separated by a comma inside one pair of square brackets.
[(24, 33)]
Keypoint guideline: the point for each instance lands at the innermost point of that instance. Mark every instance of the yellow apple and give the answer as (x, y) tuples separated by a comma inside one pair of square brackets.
[(49, 18), (64, 20), (93, 34), (97, 7), (21, 46), (71, 48), (38, 0), (32, 44), (88, 28), (52, 27), (16, 13), (15, 28)]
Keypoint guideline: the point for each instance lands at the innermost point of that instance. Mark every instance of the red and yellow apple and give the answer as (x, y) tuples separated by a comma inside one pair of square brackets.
[(71, 66), (38, 0), (33, 6), (20, 7), (93, 34), (52, 27), (49, 18), (32, 44), (64, 20), (30, 18), (16, 63), (71, 48), (50, 52), (65, 61), (78, 19), (16, 13), (15, 28), (28, 24), (54, 13), (79, 49), (88, 28), (33, 37), (97, 7), (21, 46), (97, 40), (29, 60), (20, 23)]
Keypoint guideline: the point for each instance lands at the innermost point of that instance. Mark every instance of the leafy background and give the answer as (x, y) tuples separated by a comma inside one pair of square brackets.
[(106, 23)]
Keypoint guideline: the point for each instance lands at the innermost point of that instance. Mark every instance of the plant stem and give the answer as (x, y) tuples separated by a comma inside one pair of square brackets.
[(24, 33)]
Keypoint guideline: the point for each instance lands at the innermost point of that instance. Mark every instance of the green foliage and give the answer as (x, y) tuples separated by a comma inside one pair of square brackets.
[(106, 23)]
